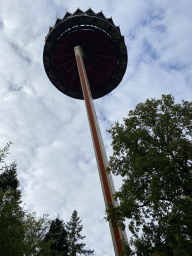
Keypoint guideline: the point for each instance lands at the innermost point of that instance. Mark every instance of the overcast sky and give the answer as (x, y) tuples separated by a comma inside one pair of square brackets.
[(50, 133)]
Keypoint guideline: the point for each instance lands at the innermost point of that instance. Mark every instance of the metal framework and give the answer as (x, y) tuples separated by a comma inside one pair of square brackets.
[(104, 46), (104, 56)]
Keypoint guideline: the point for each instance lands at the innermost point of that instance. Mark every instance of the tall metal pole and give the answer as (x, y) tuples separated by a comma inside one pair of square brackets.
[(102, 162)]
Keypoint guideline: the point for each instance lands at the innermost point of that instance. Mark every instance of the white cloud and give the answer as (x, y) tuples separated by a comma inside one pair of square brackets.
[(50, 131)]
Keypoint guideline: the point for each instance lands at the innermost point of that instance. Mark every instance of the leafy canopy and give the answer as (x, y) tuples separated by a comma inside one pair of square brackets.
[(152, 150)]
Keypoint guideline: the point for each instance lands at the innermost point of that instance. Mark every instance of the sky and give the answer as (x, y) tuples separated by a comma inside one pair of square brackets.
[(52, 143)]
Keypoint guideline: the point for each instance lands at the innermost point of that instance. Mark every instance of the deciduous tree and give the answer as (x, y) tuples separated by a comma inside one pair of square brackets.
[(152, 151)]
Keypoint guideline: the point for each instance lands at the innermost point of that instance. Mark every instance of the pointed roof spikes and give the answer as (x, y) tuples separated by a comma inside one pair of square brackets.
[(67, 15), (78, 11), (50, 28), (58, 21), (118, 28), (111, 21), (100, 14), (96, 23), (90, 11)]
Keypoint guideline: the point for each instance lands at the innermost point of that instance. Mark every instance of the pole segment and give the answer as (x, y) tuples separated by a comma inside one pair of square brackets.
[(101, 157)]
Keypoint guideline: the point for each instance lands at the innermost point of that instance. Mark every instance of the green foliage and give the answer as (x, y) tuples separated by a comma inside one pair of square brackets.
[(12, 231), (11, 214), (8, 179), (20, 232), (56, 239), (152, 150), (35, 230), (74, 228), (3, 154)]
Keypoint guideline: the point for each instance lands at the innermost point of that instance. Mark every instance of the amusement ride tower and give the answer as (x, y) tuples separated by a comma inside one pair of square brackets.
[(85, 57)]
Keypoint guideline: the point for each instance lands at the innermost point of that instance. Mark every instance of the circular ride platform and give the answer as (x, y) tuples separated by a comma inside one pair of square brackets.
[(105, 53)]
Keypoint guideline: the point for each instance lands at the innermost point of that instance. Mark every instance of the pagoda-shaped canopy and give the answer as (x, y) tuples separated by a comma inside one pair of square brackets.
[(105, 55)]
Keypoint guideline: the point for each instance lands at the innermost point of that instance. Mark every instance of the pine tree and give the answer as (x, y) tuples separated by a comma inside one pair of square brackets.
[(8, 179), (20, 232), (57, 239), (74, 228), (11, 214)]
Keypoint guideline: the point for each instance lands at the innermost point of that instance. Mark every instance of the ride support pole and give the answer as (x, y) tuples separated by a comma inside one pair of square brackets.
[(101, 157)]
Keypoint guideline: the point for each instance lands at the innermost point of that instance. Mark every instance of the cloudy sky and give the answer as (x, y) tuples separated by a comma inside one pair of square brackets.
[(51, 138)]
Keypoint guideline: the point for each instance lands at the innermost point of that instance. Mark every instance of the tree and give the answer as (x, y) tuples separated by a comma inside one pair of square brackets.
[(8, 179), (20, 232), (152, 150), (3, 154), (35, 230), (56, 239), (11, 214), (74, 228)]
